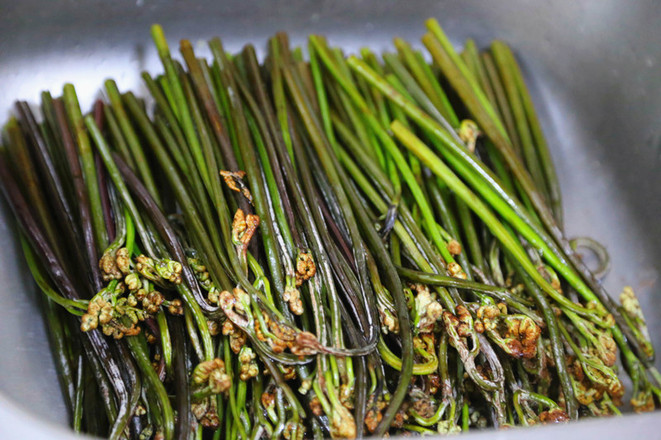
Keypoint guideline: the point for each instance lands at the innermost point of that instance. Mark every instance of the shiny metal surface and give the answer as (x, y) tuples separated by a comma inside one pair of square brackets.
[(594, 71)]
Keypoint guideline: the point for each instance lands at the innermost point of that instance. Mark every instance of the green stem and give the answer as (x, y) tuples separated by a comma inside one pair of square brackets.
[(137, 154), (87, 164), (432, 161), (137, 345), (117, 179)]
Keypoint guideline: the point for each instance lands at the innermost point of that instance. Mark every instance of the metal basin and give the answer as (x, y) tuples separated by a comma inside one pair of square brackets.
[(593, 68)]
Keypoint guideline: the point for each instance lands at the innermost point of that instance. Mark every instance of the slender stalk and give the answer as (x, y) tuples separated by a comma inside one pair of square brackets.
[(536, 129), (116, 178), (137, 154), (87, 165), (530, 153), (441, 170)]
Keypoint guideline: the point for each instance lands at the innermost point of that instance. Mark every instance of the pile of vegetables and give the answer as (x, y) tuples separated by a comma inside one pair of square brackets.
[(315, 246)]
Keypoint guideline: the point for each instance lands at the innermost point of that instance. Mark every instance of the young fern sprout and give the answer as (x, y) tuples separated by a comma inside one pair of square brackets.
[(315, 245)]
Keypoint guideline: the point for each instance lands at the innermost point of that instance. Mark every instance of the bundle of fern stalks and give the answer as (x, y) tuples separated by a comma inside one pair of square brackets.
[(317, 245)]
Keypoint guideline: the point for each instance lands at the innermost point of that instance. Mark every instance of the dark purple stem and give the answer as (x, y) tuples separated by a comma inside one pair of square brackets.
[(54, 188), (61, 279), (166, 231), (81, 194), (102, 177)]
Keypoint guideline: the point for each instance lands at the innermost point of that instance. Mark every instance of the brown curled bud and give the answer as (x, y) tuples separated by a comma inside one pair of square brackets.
[(219, 381), (153, 302), (252, 223), (94, 307), (131, 300), (123, 260), (288, 372), (237, 340), (268, 400), (108, 330), (315, 406), (434, 383), (234, 181), (228, 328), (555, 415), (616, 390), (372, 419), (243, 229), (400, 418), (455, 270), (643, 402), (454, 247), (238, 225), (305, 267), (176, 307), (134, 330), (212, 373), (204, 369), (304, 344), (140, 294), (293, 297), (205, 411), (277, 345), (88, 322), (106, 314), (108, 267), (231, 177)]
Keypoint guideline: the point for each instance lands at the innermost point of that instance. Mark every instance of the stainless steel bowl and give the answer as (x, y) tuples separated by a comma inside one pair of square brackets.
[(594, 71)]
